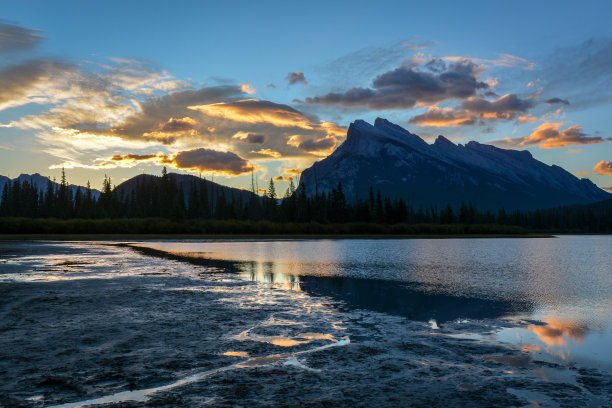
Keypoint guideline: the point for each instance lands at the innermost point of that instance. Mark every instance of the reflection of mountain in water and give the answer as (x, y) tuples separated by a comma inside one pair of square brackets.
[(392, 297), (398, 298)]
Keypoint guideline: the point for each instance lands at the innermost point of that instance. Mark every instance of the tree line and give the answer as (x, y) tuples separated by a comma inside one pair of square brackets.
[(168, 198)]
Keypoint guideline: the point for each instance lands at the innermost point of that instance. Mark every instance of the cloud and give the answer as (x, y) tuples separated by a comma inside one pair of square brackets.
[(442, 117), (270, 86), (246, 88), (608, 188), (33, 81), (580, 72), (87, 111), (582, 173), (409, 85), (211, 160), (574, 150), (526, 119), (549, 136), (554, 101), (256, 111), (16, 38), (321, 146), (282, 178), (201, 160), (251, 138), (179, 125), (603, 168), (504, 60), (296, 78), (505, 107), (135, 157), (296, 172), (267, 153)]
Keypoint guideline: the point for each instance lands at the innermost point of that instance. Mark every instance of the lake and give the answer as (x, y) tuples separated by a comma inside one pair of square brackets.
[(450, 322)]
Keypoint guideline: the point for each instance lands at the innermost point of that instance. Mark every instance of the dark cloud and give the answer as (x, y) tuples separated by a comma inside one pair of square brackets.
[(504, 107), (296, 78), (132, 156), (270, 86), (16, 38), (179, 125), (322, 144), (406, 86), (251, 138), (603, 168), (443, 117), (550, 136), (282, 178), (211, 160), (554, 101)]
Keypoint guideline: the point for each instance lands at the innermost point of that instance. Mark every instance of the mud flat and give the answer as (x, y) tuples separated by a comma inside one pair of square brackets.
[(93, 323)]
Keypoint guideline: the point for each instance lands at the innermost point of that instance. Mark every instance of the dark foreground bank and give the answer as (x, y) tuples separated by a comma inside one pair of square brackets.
[(135, 226)]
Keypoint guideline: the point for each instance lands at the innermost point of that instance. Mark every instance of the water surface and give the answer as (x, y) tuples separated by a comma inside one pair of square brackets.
[(486, 322)]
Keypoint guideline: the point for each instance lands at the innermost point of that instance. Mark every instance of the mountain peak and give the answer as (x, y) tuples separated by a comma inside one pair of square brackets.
[(389, 158), (442, 141)]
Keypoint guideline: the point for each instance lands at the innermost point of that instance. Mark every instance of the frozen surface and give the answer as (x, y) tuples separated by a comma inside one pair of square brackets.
[(96, 323)]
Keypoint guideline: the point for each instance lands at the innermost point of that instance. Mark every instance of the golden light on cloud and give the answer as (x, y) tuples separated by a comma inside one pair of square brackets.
[(296, 172), (549, 136), (582, 173), (267, 152), (256, 111), (200, 160), (246, 88), (603, 168), (526, 119)]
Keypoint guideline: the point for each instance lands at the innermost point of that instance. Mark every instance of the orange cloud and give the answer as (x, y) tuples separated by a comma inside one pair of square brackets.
[(267, 152), (178, 125), (296, 172), (582, 173), (548, 136), (256, 111), (603, 168), (526, 119), (574, 150), (246, 88)]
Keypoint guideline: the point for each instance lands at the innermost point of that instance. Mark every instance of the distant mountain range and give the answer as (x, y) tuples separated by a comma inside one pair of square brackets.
[(400, 164), (126, 188), (41, 184)]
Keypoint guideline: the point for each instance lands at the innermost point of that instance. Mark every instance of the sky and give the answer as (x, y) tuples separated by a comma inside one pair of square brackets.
[(227, 89)]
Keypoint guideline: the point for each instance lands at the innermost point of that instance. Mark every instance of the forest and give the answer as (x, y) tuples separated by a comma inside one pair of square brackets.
[(164, 198)]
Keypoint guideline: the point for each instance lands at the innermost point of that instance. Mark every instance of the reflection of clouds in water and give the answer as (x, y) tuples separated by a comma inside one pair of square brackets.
[(556, 332)]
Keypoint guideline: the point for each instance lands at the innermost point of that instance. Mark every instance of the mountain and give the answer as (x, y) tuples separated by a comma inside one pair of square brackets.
[(41, 184), (400, 164), (185, 181)]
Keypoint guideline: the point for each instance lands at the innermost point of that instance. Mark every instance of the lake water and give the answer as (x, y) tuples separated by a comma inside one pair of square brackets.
[(350, 322)]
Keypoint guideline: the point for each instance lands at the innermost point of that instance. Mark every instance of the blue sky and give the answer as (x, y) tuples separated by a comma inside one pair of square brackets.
[(122, 88)]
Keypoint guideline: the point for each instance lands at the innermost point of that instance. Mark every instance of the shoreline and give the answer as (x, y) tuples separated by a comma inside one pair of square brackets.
[(123, 237)]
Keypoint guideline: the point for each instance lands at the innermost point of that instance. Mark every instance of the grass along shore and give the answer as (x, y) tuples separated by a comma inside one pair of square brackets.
[(147, 228)]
